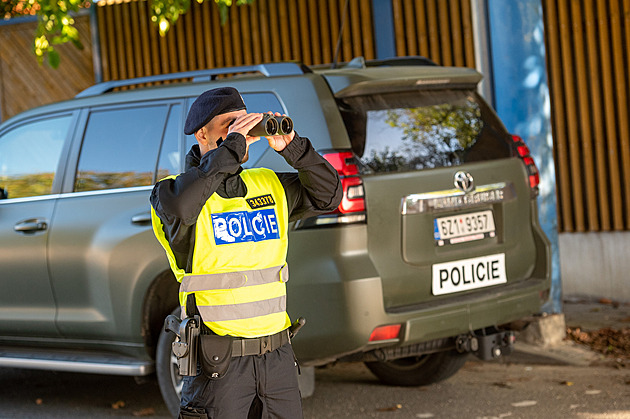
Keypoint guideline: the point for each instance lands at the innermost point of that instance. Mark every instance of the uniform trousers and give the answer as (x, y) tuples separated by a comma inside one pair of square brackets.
[(255, 386)]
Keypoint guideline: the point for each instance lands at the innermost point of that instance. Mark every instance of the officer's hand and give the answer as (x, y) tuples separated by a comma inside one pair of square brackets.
[(279, 142), (243, 124)]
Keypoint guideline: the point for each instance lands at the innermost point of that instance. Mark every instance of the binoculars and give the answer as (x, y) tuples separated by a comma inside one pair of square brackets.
[(272, 125)]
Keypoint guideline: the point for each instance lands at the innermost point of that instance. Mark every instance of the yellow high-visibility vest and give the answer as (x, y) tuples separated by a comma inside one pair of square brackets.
[(239, 265)]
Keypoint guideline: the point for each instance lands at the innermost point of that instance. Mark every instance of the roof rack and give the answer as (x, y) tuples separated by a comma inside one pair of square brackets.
[(198, 76)]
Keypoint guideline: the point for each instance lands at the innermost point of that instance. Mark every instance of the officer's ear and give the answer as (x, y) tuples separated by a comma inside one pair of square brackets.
[(202, 137)]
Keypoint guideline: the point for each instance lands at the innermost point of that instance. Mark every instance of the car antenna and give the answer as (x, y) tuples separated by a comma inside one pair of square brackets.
[(343, 23)]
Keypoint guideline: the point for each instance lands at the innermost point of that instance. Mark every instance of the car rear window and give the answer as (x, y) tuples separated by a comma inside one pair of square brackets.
[(400, 132)]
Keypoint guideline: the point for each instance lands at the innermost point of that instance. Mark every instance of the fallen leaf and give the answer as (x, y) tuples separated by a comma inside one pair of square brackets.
[(502, 385), (118, 405), (567, 383), (525, 403), (605, 301), (592, 392), (149, 411), (390, 409)]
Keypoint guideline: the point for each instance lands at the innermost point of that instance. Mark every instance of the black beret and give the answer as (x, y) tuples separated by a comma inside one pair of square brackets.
[(210, 104)]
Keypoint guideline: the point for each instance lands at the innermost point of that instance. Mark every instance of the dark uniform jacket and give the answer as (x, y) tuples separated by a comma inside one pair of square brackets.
[(314, 189)]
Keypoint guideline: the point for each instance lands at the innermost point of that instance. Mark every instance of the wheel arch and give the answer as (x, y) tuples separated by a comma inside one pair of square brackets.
[(159, 301)]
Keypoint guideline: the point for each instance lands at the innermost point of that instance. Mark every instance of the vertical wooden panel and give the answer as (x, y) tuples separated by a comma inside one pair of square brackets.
[(565, 219), (399, 30), (254, 12), (585, 164), (325, 22), (609, 109), (422, 29), (597, 116), (146, 46), (101, 15), (188, 39), (110, 39), (456, 31), (335, 20), (621, 104), (445, 33), (409, 27), (434, 35), (245, 29), (367, 49), (179, 35), (355, 29), (264, 30), (313, 24), (217, 39), (572, 119), (469, 42), (127, 38)]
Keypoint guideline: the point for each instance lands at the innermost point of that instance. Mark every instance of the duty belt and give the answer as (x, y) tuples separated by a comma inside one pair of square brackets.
[(260, 345)]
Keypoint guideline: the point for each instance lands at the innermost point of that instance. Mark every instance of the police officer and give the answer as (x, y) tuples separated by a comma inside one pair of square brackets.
[(224, 230)]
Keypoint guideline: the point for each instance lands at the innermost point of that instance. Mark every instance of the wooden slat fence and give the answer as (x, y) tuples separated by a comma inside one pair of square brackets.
[(588, 43), (437, 29), (25, 84), (268, 30)]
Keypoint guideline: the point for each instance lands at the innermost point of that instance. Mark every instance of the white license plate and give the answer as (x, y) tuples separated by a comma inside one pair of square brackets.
[(467, 274), (464, 227)]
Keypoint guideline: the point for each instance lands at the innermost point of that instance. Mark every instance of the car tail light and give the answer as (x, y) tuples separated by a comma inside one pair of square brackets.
[(352, 207), (532, 170), (388, 332)]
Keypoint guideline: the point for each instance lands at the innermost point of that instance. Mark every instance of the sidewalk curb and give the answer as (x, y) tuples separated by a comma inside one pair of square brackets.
[(543, 342)]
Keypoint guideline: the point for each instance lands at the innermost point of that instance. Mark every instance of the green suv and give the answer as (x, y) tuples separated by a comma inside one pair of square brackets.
[(434, 249)]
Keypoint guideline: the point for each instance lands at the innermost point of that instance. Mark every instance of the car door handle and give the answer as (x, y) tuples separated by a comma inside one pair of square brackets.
[(142, 219), (31, 226)]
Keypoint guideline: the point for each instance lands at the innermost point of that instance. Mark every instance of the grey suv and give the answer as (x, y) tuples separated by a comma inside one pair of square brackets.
[(434, 249)]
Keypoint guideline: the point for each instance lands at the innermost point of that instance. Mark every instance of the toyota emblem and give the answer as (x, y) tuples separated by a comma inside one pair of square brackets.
[(464, 181)]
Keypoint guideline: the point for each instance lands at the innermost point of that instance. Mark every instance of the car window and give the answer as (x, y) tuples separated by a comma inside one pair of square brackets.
[(170, 156), (29, 156), (255, 102), (120, 148), (414, 131)]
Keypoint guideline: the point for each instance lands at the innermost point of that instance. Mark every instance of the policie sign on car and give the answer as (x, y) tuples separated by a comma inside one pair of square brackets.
[(467, 274)]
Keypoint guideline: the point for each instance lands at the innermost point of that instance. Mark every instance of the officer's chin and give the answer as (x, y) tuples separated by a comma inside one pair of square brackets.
[(246, 157)]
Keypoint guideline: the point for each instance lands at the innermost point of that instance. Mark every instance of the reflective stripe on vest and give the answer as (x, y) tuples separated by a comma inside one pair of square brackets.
[(239, 261)]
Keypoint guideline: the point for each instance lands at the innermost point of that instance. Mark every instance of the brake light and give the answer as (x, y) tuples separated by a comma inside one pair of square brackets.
[(530, 165), (388, 332)]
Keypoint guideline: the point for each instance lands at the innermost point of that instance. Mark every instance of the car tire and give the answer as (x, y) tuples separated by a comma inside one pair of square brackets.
[(169, 380), (418, 370)]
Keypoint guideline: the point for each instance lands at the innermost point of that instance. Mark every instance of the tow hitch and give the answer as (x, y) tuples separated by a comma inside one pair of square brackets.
[(486, 344)]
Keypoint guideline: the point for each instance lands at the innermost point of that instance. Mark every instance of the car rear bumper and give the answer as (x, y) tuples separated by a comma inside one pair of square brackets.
[(420, 323)]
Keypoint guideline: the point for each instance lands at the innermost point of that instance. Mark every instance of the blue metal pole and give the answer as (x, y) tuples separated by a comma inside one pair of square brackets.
[(522, 101), (383, 17)]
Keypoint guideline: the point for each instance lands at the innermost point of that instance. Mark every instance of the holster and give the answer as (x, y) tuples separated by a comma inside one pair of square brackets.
[(216, 353)]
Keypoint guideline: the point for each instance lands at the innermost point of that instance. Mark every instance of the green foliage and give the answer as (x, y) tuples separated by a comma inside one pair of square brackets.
[(56, 25)]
